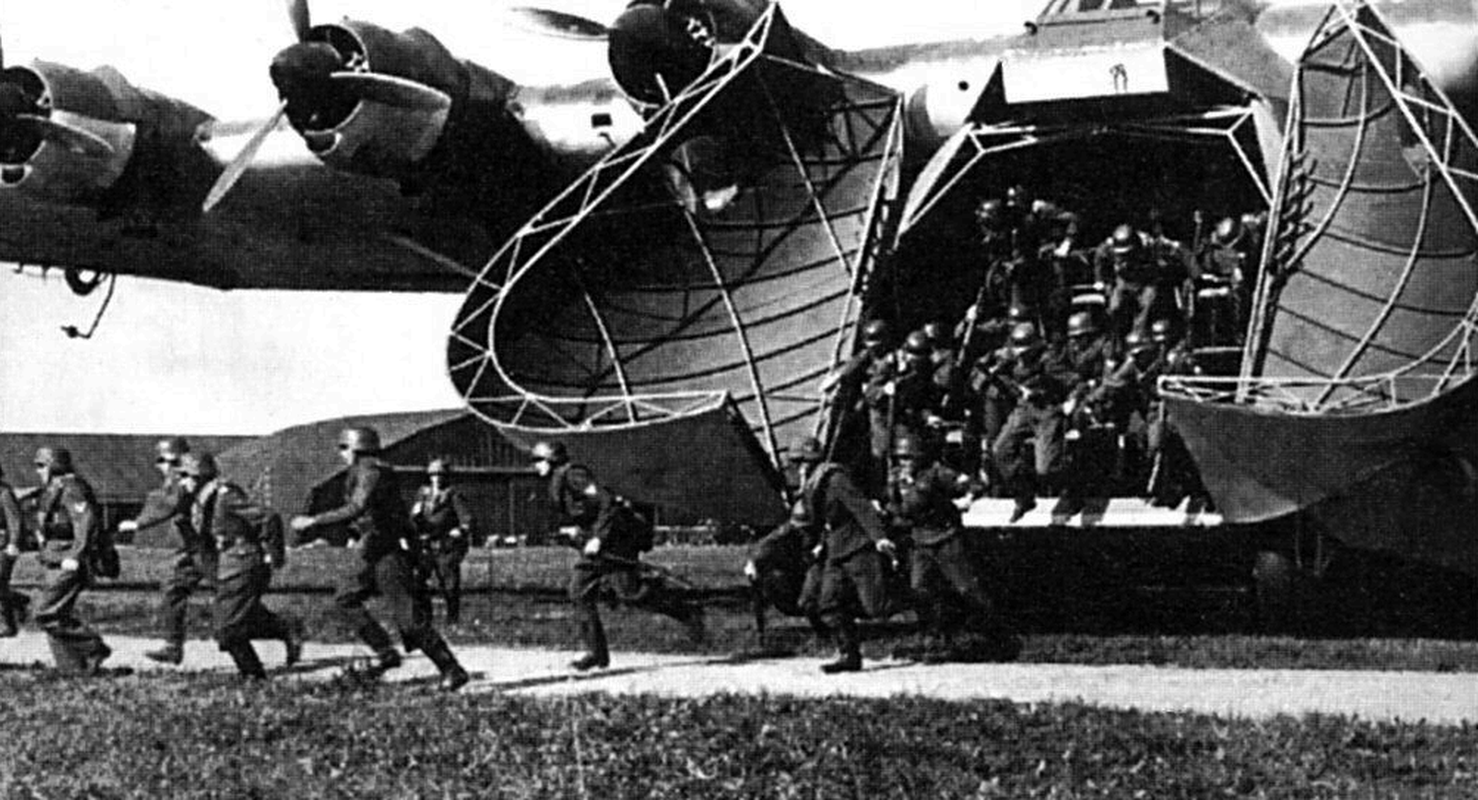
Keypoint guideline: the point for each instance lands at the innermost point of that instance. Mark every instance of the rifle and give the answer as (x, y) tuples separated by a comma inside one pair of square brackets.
[(648, 568)]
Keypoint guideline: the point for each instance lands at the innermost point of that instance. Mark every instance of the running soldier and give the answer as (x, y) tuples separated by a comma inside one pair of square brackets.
[(942, 573), (248, 552), (12, 604), (612, 541), (195, 557), (854, 546), (387, 551), (70, 527), (784, 572)]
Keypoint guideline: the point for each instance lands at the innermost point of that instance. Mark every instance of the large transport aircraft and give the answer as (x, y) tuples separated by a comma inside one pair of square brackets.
[(666, 259)]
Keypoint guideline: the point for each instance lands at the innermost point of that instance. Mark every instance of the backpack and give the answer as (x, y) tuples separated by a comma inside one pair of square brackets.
[(634, 526)]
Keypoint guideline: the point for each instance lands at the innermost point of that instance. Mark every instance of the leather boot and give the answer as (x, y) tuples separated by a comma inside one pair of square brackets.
[(453, 677), (292, 640), (849, 650), (170, 653), (247, 663), (593, 634)]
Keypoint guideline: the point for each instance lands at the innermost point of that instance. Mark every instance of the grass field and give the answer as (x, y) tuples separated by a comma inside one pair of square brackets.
[(172, 736)]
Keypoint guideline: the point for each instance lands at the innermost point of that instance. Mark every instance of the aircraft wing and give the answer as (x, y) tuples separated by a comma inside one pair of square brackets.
[(670, 315)]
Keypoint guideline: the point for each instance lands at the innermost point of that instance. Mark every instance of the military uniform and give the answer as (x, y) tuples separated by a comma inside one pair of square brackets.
[(785, 571), (387, 564), (614, 571), (1144, 278), (443, 521), (853, 581), (1041, 381), (11, 604), (221, 511), (69, 522), (942, 572), (195, 562)]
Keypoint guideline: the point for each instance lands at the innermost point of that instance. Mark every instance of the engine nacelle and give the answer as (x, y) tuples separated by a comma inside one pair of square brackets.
[(46, 166), (659, 47), (375, 138)]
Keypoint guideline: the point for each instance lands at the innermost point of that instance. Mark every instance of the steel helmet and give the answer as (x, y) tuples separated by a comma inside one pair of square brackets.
[(807, 451), (800, 515), (988, 212), (1134, 342), (1162, 330), (198, 465), (1024, 334), (875, 331), (934, 332), (917, 344), (1018, 313), (360, 440), (1125, 240), (170, 448), (1228, 232), (908, 446), (56, 459), (553, 452), (438, 466), (1018, 196), (1081, 323)]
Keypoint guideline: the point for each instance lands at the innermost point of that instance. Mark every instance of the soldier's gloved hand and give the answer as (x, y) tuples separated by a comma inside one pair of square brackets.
[(128, 526), (456, 533), (887, 547), (817, 551), (13, 551), (70, 565), (301, 523), (889, 388), (751, 572), (592, 547)]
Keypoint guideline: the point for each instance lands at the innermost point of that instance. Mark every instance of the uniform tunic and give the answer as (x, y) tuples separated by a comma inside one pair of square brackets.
[(221, 511), (10, 536), (437, 515), (194, 560), (69, 524), (374, 509)]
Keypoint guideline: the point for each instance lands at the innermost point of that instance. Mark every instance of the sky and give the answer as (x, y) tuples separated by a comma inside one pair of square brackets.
[(176, 358)]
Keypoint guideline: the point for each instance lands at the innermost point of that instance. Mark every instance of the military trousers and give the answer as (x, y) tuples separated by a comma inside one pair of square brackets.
[(942, 574), (595, 578), (193, 570), (443, 567), (71, 638), (1046, 428), (393, 577), (238, 613), (10, 603), (854, 586)]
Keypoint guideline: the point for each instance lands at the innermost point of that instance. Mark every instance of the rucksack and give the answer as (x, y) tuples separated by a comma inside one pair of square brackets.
[(634, 525), (102, 551)]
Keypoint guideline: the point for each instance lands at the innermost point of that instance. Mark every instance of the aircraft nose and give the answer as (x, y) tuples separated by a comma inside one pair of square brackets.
[(655, 52), (302, 66)]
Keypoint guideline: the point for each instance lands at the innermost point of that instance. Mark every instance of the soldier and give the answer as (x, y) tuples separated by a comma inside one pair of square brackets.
[(1036, 375), (854, 386), (783, 570), (387, 551), (942, 574), (609, 562), (12, 605), (917, 388), (853, 546), (444, 523), (69, 524), (1222, 265), (194, 558), (1145, 272), (247, 555)]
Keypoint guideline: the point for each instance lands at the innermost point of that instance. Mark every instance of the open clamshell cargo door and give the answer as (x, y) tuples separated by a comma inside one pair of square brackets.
[(1357, 403), (671, 314)]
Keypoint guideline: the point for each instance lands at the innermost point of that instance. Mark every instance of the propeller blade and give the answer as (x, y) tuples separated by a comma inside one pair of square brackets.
[(558, 23), (80, 141), (297, 13), (393, 91), (238, 165)]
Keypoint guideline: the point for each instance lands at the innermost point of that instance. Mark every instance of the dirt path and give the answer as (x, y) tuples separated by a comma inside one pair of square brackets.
[(1435, 697)]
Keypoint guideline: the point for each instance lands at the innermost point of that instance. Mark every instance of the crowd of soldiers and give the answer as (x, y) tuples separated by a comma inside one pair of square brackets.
[(232, 545), (1048, 386)]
